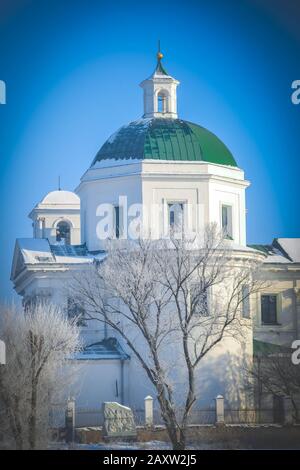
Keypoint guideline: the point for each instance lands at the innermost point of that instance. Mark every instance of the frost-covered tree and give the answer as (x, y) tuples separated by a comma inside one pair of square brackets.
[(172, 301), (38, 346)]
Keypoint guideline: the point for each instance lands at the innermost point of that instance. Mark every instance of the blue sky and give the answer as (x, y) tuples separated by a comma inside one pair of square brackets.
[(72, 70)]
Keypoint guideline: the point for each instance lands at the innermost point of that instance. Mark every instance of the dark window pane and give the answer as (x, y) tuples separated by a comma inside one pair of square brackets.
[(268, 309), (199, 300), (246, 302), (63, 232), (224, 217), (176, 215), (76, 311)]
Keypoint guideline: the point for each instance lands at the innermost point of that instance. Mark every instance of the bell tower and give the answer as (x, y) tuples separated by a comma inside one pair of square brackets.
[(160, 100), (57, 217)]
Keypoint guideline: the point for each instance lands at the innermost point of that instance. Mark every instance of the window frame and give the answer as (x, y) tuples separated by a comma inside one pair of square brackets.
[(162, 102), (208, 300), (263, 323), (228, 234), (246, 306), (73, 303), (169, 205), (57, 230)]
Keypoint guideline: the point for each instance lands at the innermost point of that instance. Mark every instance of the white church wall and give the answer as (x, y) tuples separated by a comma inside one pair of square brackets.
[(220, 372), (183, 169), (105, 191), (231, 195), (198, 189), (158, 194), (156, 184), (100, 380)]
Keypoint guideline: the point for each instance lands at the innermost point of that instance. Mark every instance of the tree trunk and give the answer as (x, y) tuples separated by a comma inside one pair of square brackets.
[(32, 417), (170, 421), (12, 409), (16, 427)]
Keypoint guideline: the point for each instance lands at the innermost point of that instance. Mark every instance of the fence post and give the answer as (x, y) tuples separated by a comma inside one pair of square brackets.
[(70, 420), (2, 353), (288, 410), (149, 411), (220, 409)]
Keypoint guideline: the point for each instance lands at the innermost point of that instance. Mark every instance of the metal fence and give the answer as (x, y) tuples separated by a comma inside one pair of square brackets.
[(93, 417), (248, 416), (198, 416), (88, 417)]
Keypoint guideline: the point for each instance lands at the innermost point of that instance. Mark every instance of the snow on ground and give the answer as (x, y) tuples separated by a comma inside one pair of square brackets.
[(151, 445)]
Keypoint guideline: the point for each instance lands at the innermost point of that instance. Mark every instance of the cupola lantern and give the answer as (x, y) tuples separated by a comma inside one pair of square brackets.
[(160, 100)]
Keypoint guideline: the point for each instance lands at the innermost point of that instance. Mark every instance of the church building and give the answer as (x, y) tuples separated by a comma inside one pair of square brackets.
[(183, 171)]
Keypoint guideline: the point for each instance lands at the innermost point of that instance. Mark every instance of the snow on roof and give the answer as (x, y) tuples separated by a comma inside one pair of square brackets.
[(61, 197), (111, 162), (277, 259), (35, 250), (67, 254), (282, 250), (291, 246), (108, 348), (230, 245), (39, 251)]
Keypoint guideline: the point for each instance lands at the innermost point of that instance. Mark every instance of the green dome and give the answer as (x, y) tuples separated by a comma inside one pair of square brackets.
[(165, 139)]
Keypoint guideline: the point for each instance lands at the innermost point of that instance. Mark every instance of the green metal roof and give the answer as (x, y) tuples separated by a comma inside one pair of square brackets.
[(261, 348), (267, 249), (160, 68), (165, 139)]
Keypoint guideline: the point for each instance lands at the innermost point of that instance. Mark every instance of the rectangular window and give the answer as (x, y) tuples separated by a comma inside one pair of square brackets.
[(76, 311), (117, 221), (245, 302), (269, 309), (227, 221), (199, 298), (176, 215)]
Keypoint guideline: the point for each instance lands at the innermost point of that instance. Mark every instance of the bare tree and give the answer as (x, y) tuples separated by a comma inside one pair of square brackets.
[(179, 292), (274, 373), (38, 346)]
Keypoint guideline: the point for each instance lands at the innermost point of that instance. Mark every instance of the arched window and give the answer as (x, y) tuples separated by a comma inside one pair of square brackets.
[(63, 234), (162, 102)]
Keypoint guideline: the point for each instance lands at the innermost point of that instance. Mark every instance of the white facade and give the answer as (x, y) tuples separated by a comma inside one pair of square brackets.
[(203, 187)]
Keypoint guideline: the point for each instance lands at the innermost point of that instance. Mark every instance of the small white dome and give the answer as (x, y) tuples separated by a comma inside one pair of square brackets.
[(61, 197)]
